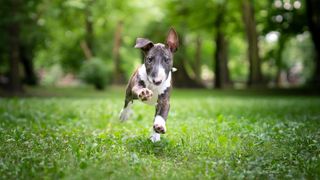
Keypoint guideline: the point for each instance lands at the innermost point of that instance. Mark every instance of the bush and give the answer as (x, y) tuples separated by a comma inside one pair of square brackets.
[(96, 72)]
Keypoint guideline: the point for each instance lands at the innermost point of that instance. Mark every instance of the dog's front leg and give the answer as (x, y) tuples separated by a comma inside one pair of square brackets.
[(141, 92), (162, 110), (136, 89)]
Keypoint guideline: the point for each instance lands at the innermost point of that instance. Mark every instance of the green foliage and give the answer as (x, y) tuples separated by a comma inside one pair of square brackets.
[(31, 30), (52, 76), (51, 35), (64, 34), (96, 72), (286, 17), (300, 51), (214, 135), (238, 64)]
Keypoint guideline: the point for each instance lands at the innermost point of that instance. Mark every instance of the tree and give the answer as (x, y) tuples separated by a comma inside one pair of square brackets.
[(69, 42), (89, 37), (180, 11), (182, 78), (122, 11), (194, 14), (21, 35), (118, 72), (26, 58), (221, 53), (313, 14), (14, 44), (11, 22), (197, 61), (255, 76), (287, 19)]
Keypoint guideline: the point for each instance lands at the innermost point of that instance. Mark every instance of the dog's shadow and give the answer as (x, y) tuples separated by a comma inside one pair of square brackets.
[(143, 145)]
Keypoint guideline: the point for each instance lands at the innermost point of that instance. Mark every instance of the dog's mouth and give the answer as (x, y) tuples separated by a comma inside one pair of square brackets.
[(157, 83)]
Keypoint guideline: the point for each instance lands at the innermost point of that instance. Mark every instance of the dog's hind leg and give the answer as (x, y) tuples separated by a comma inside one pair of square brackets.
[(155, 137), (126, 111)]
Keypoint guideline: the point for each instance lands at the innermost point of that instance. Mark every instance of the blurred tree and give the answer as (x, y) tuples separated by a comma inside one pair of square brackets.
[(313, 14), (197, 63), (194, 14), (118, 72), (181, 77), (89, 34), (122, 10), (65, 43), (32, 38), (14, 44), (221, 54), (177, 15), (287, 20), (104, 29), (23, 34), (248, 14), (48, 31)]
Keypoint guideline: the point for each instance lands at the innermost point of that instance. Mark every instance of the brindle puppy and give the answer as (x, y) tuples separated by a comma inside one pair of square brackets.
[(151, 82)]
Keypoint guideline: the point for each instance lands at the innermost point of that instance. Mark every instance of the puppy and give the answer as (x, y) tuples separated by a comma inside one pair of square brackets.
[(151, 82)]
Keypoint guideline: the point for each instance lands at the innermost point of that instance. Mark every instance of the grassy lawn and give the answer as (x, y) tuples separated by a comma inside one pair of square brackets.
[(76, 134)]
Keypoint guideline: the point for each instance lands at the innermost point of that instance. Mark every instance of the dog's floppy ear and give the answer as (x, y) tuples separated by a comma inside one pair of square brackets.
[(172, 40), (144, 44)]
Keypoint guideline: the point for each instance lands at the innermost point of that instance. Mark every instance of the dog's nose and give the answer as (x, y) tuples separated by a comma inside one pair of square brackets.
[(156, 82)]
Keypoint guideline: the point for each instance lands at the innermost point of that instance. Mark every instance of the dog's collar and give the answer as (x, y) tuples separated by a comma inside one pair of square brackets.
[(173, 69)]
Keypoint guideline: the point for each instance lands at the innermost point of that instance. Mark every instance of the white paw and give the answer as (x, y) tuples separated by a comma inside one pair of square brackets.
[(155, 137), (159, 125), (125, 114)]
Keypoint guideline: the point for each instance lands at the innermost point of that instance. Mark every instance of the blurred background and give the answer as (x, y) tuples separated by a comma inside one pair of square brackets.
[(224, 44)]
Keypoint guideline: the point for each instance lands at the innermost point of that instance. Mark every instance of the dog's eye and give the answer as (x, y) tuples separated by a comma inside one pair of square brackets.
[(149, 60), (166, 60)]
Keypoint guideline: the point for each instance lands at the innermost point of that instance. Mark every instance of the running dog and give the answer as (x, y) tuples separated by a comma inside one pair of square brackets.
[(151, 82)]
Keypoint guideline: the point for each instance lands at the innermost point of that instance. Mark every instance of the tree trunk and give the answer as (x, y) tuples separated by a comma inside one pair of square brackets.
[(30, 77), (255, 76), (221, 79), (313, 14), (224, 65), (279, 64), (197, 62), (118, 72), (89, 28), (221, 69), (86, 50), (14, 52)]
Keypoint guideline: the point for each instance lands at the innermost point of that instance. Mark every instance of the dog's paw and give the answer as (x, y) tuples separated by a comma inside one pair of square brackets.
[(159, 128), (145, 94), (125, 114), (159, 125), (155, 137)]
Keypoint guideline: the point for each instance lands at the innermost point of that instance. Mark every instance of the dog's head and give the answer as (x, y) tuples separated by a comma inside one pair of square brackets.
[(158, 58)]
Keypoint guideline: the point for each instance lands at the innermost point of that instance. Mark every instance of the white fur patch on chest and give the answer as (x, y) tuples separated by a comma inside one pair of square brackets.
[(157, 90)]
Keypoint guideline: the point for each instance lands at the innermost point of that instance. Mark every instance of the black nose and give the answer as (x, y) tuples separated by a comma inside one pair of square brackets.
[(157, 82)]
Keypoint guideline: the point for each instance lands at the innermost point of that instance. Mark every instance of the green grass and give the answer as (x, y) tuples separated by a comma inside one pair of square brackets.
[(210, 134)]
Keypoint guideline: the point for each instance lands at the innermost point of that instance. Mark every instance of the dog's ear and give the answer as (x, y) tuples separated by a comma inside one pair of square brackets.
[(144, 44), (172, 40)]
